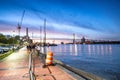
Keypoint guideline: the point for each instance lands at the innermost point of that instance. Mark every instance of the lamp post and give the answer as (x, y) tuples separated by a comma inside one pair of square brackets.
[(32, 37), (40, 38), (19, 28), (44, 41), (13, 40)]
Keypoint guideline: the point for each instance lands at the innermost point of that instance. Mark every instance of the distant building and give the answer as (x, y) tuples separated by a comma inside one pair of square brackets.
[(7, 36), (27, 36), (73, 38), (83, 40), (62, 42)]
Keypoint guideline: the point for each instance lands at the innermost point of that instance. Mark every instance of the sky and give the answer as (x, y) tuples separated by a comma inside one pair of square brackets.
[(93, 19)]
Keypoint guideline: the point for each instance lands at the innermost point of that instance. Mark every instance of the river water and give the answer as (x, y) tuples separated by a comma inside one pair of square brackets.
[(102, 60)]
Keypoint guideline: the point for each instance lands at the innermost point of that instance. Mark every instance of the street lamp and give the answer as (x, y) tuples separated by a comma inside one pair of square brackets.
[(13, 39), (19, 28)]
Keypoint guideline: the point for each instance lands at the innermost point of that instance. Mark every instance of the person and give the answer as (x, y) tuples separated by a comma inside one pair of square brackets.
[(28, 48), (32, 46), (38, 49)]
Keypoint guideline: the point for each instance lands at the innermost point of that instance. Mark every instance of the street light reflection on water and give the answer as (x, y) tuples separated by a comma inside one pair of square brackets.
[(99, 59), (76, 49)]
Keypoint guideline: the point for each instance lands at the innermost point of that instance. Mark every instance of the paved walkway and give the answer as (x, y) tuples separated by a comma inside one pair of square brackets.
[(15, 67)]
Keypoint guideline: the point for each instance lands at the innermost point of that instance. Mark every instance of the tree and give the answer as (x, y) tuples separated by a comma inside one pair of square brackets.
[(11, 40), (2, 38), (17, 37)]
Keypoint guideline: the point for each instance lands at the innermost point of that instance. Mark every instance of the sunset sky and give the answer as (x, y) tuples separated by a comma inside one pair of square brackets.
[(94, 19)]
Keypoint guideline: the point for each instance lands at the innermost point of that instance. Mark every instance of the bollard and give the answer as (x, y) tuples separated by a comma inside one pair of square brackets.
[(49, 58)]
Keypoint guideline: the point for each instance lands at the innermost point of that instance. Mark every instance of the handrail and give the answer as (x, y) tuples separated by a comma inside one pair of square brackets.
[(31, 74)]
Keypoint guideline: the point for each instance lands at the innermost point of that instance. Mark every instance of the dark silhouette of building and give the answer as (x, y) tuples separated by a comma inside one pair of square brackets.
[(73, 38), (83, 40)]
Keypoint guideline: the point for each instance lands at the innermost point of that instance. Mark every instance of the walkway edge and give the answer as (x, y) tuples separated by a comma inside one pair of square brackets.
[(85, 75)]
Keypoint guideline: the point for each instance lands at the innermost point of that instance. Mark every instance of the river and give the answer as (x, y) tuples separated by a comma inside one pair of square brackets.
[(102, 60)]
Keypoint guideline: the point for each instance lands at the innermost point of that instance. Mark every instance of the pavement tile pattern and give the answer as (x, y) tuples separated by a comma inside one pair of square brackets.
[(15, 67)]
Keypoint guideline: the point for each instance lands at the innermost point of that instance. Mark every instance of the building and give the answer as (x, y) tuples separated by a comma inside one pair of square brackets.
[(83, 40)]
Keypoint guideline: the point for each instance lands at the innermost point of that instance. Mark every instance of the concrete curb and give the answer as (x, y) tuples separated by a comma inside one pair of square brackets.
[(85, 75)]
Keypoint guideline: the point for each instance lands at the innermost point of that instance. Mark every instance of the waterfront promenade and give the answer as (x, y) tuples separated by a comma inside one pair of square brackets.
[(15, 67)]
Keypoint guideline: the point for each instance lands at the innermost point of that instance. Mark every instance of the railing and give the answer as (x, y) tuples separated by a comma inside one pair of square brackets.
[(31, 74)]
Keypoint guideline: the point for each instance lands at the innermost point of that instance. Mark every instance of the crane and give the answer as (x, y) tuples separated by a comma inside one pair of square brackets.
[(20, 23)]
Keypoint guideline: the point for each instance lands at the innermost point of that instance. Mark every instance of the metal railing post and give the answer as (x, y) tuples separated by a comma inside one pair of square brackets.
[(31, 74)]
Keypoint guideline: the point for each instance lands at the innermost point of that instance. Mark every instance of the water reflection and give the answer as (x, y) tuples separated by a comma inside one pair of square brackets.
[(110, 49), (96, 58), (94, 49), (89, 49), (75, 49)]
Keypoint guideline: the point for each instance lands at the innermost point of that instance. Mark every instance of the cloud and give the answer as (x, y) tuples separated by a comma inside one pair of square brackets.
[(84, 18), (7, 25)]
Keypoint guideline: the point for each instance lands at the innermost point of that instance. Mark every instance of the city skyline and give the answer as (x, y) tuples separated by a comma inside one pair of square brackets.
[(93, 19)]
